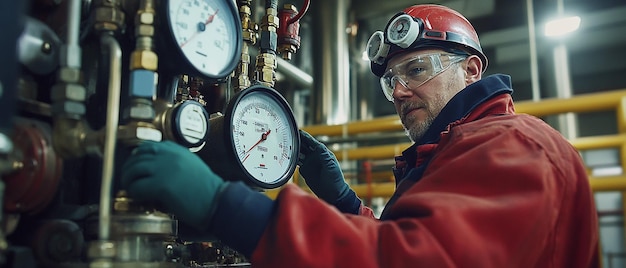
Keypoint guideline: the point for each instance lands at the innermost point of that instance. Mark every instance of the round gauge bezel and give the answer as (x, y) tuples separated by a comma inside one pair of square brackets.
[(176, 128), (411, 35), (377, 49), (228, 123), (175, 62)]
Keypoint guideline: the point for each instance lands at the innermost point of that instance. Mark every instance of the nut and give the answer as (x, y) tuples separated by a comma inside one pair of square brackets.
[(143, 84), (249, 36), (107, 18), (136, 132), (271, 20), (145, 30), (146, 17), (144, 59), (266, 60), (73, 91), (142, 112), (69, 75), (266, 75)]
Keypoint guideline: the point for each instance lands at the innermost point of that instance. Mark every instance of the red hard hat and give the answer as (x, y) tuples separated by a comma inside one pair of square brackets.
[(436, 26)]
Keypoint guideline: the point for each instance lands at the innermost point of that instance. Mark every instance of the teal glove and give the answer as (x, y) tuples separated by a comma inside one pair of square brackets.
[(173, 178), (322, 174)]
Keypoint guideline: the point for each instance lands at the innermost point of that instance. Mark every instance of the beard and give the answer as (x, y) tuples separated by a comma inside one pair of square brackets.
[(416, 128)]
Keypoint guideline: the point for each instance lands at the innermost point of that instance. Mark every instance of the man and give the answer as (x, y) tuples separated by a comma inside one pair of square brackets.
[(481, 186)]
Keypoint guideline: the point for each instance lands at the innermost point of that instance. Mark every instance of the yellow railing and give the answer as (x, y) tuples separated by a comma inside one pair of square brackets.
[(611, 100)]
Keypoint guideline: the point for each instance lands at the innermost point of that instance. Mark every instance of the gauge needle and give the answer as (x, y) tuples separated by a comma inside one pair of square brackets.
[(263, 137), (201, 27)]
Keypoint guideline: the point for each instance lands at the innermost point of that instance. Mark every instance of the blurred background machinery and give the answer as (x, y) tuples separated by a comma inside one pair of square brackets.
[(84, 81)]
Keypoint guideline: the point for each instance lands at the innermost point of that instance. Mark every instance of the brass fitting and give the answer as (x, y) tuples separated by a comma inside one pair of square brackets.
[(265, 66), (145, 16), (145, 30), (144, 59), (125, 205), (270, 21), (69, 136), (245, 13), (108, 18), (249, 36), (266, 60)]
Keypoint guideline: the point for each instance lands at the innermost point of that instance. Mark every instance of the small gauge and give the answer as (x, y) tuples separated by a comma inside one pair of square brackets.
[(187, 123), (206, 36), (377, 49), (403, 31), (261, 137)]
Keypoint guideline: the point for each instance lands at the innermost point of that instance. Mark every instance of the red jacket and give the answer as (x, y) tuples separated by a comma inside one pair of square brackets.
[(499, 190)]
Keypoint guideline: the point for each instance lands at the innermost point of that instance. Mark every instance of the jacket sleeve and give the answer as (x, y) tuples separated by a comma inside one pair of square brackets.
[(498, 198)]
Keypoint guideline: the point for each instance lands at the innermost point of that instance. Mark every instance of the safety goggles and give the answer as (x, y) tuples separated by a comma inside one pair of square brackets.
[(415, 71)]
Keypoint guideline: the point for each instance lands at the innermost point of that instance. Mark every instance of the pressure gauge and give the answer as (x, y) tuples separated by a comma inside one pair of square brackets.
[(403, 31), (187, 123), (263, 135), (203, 37), (261, 139), (377, 49)]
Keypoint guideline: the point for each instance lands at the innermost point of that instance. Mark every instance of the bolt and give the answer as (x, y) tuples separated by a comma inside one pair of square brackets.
[(46, 48)]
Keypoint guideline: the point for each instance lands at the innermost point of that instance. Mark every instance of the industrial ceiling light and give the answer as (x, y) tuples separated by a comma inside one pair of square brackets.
[(562, 26)]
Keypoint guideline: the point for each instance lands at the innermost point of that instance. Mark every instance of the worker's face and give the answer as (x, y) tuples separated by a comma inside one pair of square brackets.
[(418, 104)]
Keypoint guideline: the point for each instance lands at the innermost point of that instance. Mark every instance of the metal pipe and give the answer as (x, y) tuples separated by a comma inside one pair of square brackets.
[(578, 103), (113, 109), (291, 71), (73, 53), (621, 116), (534, 66), (294, 73), (599, 142), (331, 67)]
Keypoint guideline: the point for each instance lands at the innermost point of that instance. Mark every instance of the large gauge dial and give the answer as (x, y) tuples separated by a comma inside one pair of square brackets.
[(263, 135), (207, 34), (261, 139)]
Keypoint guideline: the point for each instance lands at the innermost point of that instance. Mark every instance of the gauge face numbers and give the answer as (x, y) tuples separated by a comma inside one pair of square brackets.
[(403, 30), (192, 123), (264, 137), (205, 31)]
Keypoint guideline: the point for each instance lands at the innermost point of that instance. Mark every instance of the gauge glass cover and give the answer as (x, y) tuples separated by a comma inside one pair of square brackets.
[(403, 31), (265, 137), (206, 33), (193, 124), (377, 49)]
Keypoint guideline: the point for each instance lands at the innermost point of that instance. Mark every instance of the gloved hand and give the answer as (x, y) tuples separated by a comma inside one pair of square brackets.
[(173, 178), (321, 171)]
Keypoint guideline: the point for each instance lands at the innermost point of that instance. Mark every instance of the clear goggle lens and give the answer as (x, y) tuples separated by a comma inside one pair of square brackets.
[(415, 71)]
